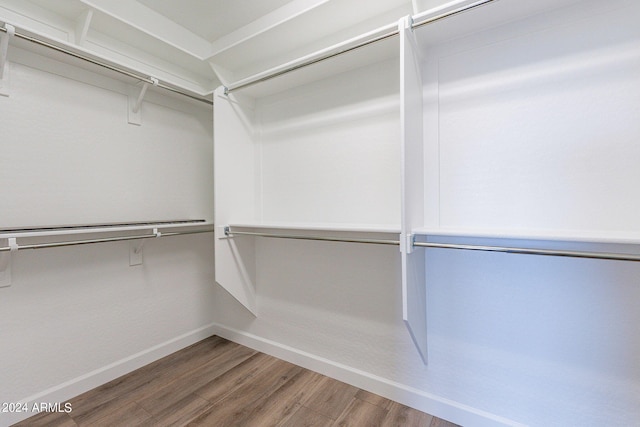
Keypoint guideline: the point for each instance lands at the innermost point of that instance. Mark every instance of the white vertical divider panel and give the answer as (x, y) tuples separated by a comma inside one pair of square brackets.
[(235, 195), (414, 299)]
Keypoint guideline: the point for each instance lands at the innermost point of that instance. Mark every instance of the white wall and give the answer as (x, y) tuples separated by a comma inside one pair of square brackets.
[(75, 317)]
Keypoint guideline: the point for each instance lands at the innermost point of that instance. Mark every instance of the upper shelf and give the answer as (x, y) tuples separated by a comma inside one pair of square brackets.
[(126, 48), (325, 62), (329, 23), (482, 15), (197, 46)]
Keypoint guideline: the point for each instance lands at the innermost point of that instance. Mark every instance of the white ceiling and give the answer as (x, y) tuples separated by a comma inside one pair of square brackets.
[(197, 44)]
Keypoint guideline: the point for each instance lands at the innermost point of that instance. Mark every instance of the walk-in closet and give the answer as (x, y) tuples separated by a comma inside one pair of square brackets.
[(425, 209)]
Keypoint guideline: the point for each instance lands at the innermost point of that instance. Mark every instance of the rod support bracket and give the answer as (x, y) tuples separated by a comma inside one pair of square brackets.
[(4, 65), (136, 248), (5, 262), (223, 232), (136, 252), (407, 243), (135, 101)]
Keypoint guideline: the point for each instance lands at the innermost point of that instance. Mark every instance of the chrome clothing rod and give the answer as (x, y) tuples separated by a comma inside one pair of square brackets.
[(529, 251), (229, 233), (484, 248), (376, 38), (102, 240), (111, 67)]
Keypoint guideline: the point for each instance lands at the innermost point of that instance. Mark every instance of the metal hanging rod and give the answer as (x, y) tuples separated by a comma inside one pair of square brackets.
[(418, 23), (102, 240), (230, 233), (528, 251), (149, 224), (253, 81), (510, 250), (105, 65)]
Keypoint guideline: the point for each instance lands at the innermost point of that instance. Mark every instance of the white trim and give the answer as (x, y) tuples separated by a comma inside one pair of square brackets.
[(438, 406), (76, 386)]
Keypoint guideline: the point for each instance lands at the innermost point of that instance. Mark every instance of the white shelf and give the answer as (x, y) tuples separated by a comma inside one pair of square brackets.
[(108, 41), (324, 68), (614, 237), (338, 228), (64, 230), (325, 24)]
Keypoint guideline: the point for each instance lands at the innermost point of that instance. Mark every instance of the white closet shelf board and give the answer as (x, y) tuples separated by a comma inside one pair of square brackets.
[(531, 121), (484, 17), (335, 233), (613, 237), (62, 230), (134, 51), (327, 23), (361, 57), (338, 228)]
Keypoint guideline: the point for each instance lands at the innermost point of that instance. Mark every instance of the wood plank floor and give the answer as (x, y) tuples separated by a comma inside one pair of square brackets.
[(220, 383)]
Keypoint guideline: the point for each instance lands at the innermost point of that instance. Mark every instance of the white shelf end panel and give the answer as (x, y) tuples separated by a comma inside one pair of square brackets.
[(233, 143), (414, 298)]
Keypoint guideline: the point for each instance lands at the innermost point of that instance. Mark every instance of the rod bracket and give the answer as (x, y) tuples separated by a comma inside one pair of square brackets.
[(136, 248), (5, 262), (82, 26), (407, 243), (135, 252), (223, 232), (4, 65), (135, 101)]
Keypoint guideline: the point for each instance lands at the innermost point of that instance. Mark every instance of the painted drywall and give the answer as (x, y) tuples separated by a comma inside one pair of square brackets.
[(75, 317)]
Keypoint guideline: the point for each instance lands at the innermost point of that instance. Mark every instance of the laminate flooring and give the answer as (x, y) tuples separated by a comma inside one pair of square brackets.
[(216, 382)]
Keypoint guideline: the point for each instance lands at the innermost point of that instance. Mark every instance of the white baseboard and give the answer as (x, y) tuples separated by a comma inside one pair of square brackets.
[(65, 391), (435, 405)]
